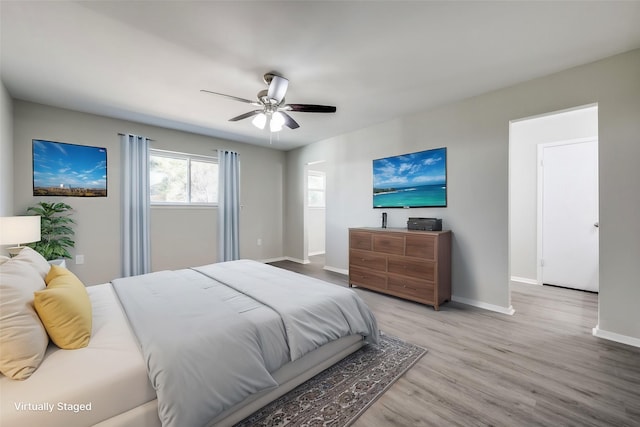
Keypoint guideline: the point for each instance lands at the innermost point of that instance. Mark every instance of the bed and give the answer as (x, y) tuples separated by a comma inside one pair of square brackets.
[(138, 369)]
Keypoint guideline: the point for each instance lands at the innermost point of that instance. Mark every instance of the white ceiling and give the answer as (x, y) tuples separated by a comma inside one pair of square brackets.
[(146, 61)]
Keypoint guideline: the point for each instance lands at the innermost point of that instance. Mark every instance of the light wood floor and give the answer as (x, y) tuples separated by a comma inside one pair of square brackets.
[(539, 367)]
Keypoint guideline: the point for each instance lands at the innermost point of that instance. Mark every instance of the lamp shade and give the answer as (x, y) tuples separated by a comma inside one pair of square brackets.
[(15, 230), (259, 121), (277, 120)]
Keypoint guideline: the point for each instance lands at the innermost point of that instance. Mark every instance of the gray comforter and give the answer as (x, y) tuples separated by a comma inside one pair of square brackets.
[(314, 312), (202, 356)]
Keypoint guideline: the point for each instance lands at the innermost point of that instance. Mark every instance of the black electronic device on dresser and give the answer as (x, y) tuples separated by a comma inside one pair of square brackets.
[(424, 224)]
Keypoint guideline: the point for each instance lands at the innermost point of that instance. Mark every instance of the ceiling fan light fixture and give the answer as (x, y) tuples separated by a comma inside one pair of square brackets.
[(273, 109), (259, 121), (277, 121)]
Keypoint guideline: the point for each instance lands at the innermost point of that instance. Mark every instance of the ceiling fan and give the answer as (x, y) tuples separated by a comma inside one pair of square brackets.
[(273, 108)]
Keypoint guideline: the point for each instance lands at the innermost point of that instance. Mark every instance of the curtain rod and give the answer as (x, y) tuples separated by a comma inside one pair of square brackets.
[(124, 134)]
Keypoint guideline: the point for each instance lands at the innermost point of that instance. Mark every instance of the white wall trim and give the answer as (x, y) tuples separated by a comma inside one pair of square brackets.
[(316, 253), (285, 258), (525, 280), (612, 336), (554, 113), (268, 260), (497, 308), (298, 260), (336, 270)]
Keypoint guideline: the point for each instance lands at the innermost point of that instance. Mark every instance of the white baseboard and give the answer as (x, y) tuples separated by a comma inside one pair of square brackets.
[(497, 308), (266, 261), (524, 280), (612, 336), (316, 253), (337, 270), (298, 260)]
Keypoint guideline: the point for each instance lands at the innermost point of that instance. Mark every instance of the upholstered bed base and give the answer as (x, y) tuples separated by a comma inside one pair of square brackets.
[(289, 377)]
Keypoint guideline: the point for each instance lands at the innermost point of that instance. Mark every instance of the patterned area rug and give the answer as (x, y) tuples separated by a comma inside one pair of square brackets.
[(339, 395)]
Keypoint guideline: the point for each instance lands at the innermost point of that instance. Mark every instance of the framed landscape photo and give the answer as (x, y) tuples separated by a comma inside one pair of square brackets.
[(68, 170)]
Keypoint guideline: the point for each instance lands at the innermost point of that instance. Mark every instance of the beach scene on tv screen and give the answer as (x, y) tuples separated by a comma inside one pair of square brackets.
[(411, 180), (61, 169)]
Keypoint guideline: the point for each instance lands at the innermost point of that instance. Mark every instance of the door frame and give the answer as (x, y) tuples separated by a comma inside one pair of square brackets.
[(305, 213), (540, 192)]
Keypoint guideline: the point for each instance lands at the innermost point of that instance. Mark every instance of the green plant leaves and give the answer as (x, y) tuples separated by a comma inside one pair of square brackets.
[(55, 230)]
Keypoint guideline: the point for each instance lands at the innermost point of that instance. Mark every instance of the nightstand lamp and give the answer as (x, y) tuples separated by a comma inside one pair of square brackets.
[(17, 230)]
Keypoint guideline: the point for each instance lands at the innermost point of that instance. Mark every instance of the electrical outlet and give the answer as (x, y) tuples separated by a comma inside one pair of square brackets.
[(259, 242), (79, 259)]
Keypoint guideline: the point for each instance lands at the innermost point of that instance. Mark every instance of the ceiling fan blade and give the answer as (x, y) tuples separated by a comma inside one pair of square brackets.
[(247, 101), (310, 108), (277, 88), (245, 115), (289, 122)]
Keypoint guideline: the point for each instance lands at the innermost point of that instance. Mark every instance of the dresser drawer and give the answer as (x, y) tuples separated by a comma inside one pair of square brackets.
[(421, 246), (367, 278), (413, 267), (360, 240), (367, 260), (413, 288), (410, 282), (388, 244)]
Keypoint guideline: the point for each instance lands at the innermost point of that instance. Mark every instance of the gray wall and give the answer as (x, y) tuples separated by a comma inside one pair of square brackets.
[(180, 237), (6, 152), (476, 133)]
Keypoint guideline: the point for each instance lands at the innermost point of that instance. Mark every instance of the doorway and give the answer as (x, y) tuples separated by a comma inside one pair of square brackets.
[(315, 212), (526, 137)]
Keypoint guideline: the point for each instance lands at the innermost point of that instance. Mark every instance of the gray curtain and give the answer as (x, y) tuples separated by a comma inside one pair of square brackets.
[(136, 257), (228, 205)]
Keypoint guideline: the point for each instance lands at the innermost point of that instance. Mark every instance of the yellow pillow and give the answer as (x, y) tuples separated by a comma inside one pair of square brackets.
[(64, 309)]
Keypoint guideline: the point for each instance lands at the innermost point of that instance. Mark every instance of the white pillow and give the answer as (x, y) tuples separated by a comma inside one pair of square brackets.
[(34, 259), (23, 338)]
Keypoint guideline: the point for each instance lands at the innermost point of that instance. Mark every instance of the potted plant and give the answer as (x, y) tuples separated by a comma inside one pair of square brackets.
[(55, 230)]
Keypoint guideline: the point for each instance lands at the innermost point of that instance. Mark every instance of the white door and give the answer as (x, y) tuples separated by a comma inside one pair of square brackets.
[(569, 255)]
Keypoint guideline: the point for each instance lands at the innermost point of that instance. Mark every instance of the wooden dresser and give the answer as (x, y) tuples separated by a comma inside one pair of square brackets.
[(415, 265)]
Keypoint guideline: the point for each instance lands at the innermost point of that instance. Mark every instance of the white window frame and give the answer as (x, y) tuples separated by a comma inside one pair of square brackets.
[(189, 157), (322, 190)]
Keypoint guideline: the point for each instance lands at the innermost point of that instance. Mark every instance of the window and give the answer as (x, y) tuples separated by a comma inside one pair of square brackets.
[(182, 179), (315, 189)]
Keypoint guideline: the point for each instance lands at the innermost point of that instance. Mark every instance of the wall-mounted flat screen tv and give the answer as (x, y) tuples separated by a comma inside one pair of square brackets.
[(415, 180), (68, 170)]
